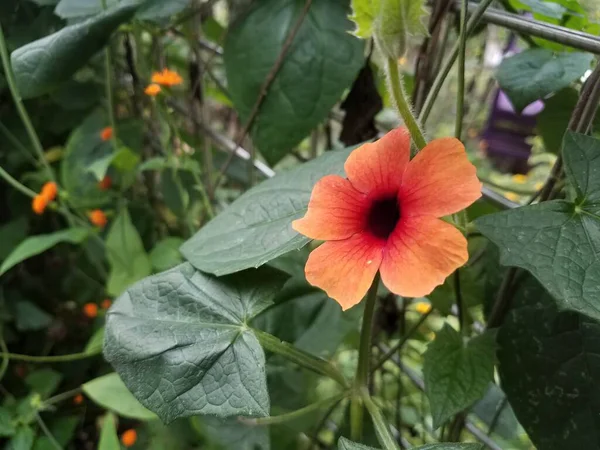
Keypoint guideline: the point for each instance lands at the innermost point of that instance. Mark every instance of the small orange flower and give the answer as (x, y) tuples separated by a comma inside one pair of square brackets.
[(106, 303), (90, 310), (105, 183), (167, 78), (49, 191), (106, 133), (38, 204), (423, 307), (78, 399), (129, 437), (98, 218), (385, 217), (152, 90)]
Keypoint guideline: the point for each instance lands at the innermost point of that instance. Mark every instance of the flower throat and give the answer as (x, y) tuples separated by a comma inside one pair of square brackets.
[(383, 217)]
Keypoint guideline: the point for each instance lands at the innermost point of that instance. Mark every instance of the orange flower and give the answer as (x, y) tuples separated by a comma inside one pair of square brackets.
[(152, 90), (105, 183), (90, 310), (106, 133), (38, 204), (166, 78), (129, 437), (49, 191), (385, 217), (78, 399), (106, 303), (98, 218)]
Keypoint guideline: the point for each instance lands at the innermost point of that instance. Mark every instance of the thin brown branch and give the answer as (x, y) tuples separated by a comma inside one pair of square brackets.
[(264, 89)]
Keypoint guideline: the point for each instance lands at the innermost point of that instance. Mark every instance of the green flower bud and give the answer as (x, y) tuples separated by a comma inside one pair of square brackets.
[(395, 23)]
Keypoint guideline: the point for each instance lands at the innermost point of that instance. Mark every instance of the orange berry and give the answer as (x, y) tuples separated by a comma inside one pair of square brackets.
[(78, 399), (106, 303), (152, 90), (90, 310), (105, 183), (129, 437), (39, 204), (106, 133), (49, 190), (98, 218)]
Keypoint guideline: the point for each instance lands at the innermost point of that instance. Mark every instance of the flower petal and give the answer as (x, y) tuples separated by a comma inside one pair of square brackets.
[(378, 167), (420, 255), (345, 269), (440, 180), (336, 210)]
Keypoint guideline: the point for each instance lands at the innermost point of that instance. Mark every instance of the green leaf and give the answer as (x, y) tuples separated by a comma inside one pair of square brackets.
[(396, 22), (192, 329), (44, 381), (363, 15), (536, 73), (451, 446), (549, 370), (94, 345), (109, 392), (126, 255), (159, 10), (256, 228), (345, 444), (12, 233), (29, 317), (322, 62), (545, 8), (559, 241), (108, 435), (35, 245), (457, 373), (231, 434), (165, 254), (83, 150), (22, 440), (62, 430), (43, 64), (7, 427), (69, 9)]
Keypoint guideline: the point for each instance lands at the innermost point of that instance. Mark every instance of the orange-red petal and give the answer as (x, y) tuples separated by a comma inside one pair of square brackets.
[(336, 210), (379, 166), (420, 254), (439, 181), (345, 269)]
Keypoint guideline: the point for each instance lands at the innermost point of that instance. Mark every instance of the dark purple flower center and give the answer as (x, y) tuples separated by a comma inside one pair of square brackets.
[(383, 217)]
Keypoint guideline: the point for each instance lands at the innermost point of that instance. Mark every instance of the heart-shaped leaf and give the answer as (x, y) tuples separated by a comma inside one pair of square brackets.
[(321, 63), (181, 343)]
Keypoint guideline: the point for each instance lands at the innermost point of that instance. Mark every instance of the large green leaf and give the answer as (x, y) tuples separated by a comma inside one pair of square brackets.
[(84, 148), (108, 435), (535, 73), (35, 245), (457, 373), (43, 64), (180, 342), (345, 444), (149, 9), (69, 9), (322, 62), (256, 228), (126, 255), (559, 241), (549, 367), (109, 392)]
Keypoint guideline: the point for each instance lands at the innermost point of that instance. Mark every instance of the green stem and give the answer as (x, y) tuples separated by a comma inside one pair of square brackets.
[(47, 432), (16, 184), (109, 93), (13, 139), (443, 73), (381, 427), (62, 396), (50, 359), (460, 99), (283, 418), (364, 357), (300, 357), (12, 85), (399, 97), (4, 348)]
